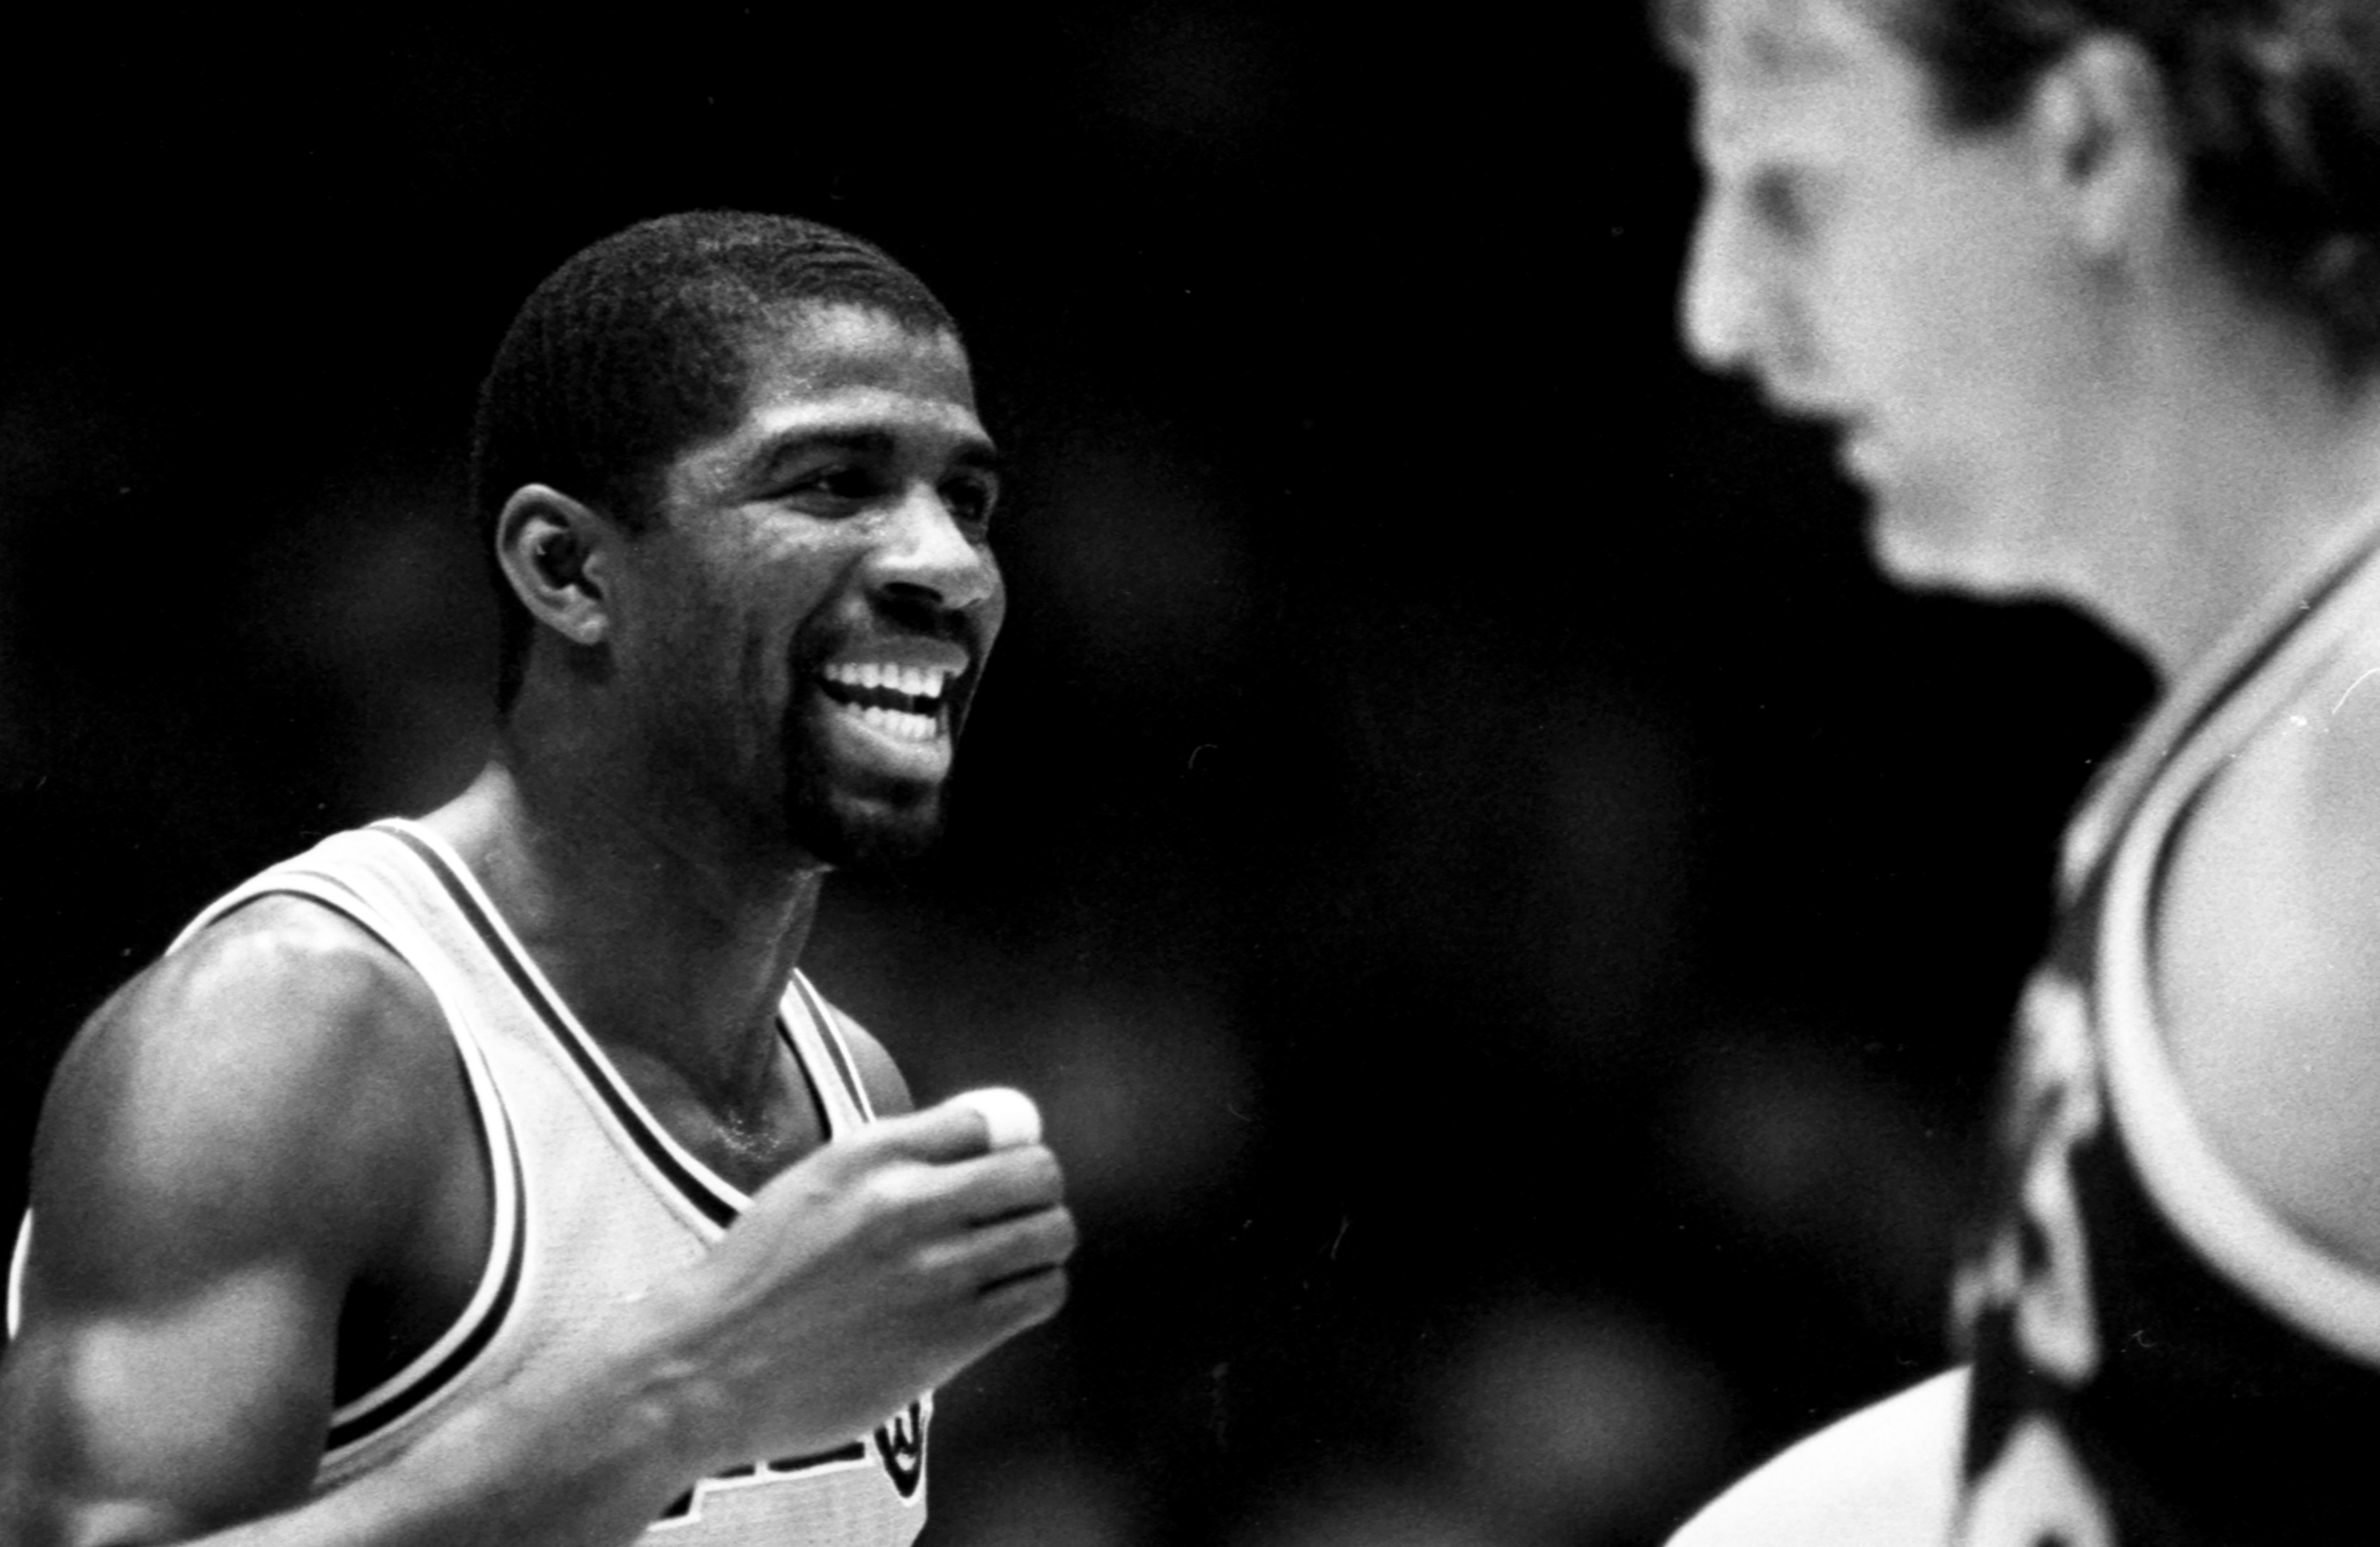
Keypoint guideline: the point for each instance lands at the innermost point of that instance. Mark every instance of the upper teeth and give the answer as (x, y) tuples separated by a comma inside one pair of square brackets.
[(918, 682)]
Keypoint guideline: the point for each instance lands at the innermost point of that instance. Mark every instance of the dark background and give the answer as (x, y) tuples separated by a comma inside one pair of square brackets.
[(1509, 919)]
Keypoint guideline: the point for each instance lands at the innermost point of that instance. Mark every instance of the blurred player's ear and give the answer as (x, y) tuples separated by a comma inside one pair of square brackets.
[(2101, 134), (549, 546)]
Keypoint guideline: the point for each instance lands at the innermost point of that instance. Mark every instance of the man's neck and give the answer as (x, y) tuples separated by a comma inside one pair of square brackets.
[(664, 948), (2227, 487)]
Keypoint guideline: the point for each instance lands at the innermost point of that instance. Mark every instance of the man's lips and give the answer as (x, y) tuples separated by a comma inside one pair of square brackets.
[(1861, 451)]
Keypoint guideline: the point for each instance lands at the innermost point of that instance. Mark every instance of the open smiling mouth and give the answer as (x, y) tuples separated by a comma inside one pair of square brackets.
[(899, 701)]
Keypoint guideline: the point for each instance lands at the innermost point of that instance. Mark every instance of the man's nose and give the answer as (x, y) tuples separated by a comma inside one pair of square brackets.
[(1719, 302), (930, 554)]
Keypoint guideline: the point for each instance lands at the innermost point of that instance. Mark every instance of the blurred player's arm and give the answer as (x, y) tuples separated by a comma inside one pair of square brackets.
[(1885, 1477), (252, 1125)]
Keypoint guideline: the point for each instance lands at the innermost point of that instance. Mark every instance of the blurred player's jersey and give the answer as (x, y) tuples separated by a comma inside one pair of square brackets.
[(2159, 1357), (593, 1203)]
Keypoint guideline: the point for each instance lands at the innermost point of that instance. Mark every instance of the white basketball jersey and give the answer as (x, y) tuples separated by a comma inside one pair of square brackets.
[(593, 1202)]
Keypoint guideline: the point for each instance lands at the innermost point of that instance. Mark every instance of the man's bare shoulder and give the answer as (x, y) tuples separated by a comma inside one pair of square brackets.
[(2269, 960), (281, 1062), (2293, 824), (2322, 781)]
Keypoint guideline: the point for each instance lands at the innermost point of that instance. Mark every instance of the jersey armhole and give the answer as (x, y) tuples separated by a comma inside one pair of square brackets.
[(2247, 1241), (439, 1366)]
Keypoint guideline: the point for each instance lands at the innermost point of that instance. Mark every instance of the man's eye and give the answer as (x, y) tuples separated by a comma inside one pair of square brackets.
[(836, 483), (970, 503), (1779, 204)]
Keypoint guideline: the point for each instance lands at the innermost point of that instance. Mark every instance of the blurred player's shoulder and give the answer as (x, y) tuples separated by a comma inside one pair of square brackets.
[(2268, 965), (1885, 1477)]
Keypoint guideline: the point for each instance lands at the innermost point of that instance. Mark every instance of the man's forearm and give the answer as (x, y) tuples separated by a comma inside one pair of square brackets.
[(539, 1464)]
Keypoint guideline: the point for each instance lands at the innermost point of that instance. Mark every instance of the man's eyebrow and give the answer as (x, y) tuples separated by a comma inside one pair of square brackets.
[(783, 448), (979, 455), (973, 453)]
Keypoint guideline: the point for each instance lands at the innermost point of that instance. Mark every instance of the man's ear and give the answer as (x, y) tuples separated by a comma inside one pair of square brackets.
[(2102, 129), (554, 551)]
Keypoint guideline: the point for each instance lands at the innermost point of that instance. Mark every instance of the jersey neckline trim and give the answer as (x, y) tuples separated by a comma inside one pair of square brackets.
[(713, 1196), (2203, 690), (820, 1021)]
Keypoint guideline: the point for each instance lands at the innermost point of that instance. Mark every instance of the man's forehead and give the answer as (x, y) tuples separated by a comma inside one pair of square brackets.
[(1761, 63), (799, 418), (838, 348), (846, 375)]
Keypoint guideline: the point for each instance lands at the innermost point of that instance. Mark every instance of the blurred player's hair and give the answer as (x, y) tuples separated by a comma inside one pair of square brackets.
[(639, 346), (2273, 106)]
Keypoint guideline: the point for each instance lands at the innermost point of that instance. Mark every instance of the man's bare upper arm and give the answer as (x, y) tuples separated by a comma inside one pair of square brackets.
[(230, 1141)]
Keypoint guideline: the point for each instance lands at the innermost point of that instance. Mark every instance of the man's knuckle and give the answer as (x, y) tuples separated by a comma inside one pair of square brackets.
[(891, 1191), (1045, 1293), (1064, 1233), (1047, 1176)]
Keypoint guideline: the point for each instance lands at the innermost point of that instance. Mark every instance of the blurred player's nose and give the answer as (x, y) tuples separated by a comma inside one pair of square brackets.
[(927, 550), (1720, 301)]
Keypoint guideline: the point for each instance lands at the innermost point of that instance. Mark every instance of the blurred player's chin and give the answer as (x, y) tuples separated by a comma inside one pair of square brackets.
[(1963, 530), (1929, 547), (1917, 560), (1976, 573)]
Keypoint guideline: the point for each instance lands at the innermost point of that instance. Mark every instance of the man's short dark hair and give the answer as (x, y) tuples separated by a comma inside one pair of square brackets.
[(639, 346), (2273, 106)]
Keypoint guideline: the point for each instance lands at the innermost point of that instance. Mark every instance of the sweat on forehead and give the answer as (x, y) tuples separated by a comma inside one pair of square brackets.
[(830, 325), (816, 344)]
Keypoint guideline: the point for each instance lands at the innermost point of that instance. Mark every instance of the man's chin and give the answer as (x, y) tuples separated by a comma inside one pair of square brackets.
[(1924, 561), (1991, 541), (1926, 545), (848, 832)]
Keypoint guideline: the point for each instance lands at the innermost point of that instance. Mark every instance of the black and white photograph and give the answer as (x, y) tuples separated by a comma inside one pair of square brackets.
[(1191, 774)]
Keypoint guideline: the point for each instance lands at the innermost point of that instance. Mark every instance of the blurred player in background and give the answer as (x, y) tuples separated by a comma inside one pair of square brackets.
[(497, 1178), (2091, 290)]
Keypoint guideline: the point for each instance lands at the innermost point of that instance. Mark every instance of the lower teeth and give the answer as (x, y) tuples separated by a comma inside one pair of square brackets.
[(899, 722)]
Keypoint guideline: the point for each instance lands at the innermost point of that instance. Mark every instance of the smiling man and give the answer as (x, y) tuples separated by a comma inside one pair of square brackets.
[(496, 1177), (2091, 290)]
